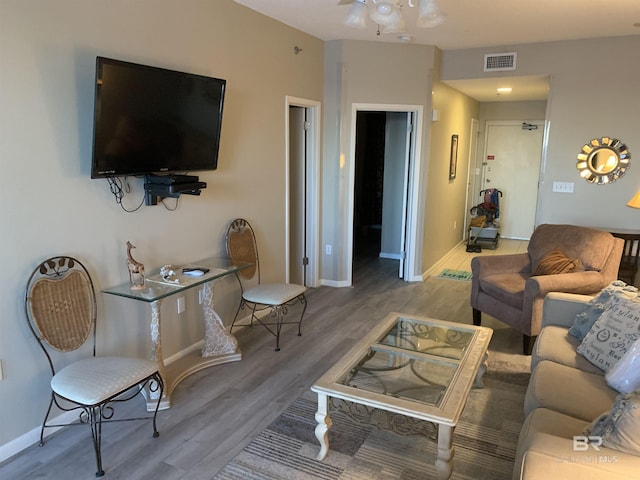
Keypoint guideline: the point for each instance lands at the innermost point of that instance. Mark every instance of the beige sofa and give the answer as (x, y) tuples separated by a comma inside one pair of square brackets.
[(565, 394)]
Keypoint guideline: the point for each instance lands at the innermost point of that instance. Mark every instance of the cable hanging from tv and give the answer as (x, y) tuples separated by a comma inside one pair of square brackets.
[(118, 188)]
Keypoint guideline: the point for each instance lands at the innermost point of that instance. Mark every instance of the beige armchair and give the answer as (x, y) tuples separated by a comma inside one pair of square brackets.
[(511, 289)]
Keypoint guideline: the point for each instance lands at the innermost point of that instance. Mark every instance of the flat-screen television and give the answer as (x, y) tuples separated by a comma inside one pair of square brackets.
[(154, 120)]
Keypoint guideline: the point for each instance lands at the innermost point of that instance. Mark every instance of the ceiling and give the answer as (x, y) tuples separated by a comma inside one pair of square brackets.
[(473, 24)]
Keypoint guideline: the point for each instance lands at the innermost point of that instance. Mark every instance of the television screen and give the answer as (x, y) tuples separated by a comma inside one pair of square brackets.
[(154, 120)]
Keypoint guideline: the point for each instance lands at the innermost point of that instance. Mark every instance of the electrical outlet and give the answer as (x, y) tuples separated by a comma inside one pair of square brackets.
[(180, 304), (455, 224), (327, 249)]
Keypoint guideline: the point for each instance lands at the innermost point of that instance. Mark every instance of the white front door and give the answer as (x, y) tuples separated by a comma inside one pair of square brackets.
[(513, 152)]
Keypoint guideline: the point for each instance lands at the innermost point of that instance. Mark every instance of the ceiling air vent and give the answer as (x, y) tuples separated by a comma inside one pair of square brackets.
[(497, 62)]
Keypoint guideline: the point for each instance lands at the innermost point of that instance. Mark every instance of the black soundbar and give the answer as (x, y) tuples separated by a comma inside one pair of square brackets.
[(170, 179), (161, 189)]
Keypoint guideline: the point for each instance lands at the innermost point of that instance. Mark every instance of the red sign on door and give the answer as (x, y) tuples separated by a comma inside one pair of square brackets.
[(491, 157)]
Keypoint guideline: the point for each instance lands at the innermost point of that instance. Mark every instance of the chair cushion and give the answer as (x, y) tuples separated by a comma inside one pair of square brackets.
[(554, 343), (546, 450), (505, 287), (568, 390), (273, 293), (93, 380)]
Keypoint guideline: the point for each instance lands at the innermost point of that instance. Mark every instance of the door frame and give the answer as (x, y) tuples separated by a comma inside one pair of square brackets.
[(313, 115), (412, 241), (474, 175)]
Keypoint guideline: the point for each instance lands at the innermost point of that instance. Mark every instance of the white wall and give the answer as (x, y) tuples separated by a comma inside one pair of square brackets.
[(50, 204)]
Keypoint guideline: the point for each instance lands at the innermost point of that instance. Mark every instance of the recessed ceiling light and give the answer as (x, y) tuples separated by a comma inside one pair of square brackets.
[(504, 90)]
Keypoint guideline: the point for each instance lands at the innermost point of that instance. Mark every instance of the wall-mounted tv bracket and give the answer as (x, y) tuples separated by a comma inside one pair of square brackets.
[(162, 186)]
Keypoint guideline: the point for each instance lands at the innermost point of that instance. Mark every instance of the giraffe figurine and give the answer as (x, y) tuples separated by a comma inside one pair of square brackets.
[(136, 269)]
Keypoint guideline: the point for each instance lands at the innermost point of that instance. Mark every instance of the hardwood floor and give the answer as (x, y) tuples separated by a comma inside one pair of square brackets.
[(216, 412)]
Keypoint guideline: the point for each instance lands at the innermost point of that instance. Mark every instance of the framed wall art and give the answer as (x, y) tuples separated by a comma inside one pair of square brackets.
[(453, 161)]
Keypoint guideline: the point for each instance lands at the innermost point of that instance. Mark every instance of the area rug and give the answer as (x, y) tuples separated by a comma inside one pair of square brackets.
[(455, 274), (484, 441)]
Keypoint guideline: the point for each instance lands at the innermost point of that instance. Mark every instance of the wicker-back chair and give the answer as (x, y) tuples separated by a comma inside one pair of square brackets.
[(60, 307), (275, 297)]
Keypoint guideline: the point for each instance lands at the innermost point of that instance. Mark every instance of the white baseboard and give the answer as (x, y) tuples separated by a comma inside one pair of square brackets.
[(416, 278), (437, 267), (334, 283), (24, 441)]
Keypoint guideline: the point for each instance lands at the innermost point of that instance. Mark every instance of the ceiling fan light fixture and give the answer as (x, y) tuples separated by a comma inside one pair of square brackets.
[(385, 12), (429, 14), (398, 26), (357, 16), (388, 14)]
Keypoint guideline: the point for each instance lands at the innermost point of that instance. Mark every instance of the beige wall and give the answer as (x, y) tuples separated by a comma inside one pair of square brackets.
[(579, 107), (582, 105), (445, 198), (362, 73), (47, 54), (51, 206)]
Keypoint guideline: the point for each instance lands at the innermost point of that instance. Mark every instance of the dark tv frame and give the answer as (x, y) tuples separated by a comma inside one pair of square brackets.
[(98, 171)]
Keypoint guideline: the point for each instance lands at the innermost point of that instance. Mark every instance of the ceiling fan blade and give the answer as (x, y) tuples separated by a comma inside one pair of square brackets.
[(345, 2)]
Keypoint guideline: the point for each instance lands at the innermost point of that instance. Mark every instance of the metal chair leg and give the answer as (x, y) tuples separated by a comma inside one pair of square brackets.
[(46, 417), (278, 326), (236, 316), (95, 424), (303, 300), (158, 379)]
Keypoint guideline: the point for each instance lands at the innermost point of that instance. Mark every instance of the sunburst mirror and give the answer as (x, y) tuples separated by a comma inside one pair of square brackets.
[(603, 160)]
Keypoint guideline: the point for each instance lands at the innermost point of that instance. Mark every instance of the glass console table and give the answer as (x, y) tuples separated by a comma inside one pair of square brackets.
[(219, 345)]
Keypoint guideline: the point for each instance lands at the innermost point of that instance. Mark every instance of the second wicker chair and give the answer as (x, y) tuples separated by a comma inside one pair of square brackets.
[(274, 298)]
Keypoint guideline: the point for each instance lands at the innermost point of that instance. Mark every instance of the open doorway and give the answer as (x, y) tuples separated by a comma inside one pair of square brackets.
[(368, 185), (384, 142)]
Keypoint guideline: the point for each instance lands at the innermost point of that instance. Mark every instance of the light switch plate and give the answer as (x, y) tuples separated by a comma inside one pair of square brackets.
[(563, 187)]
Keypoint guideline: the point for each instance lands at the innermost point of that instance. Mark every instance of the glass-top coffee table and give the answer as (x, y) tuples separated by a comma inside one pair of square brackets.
[(410, 366)]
